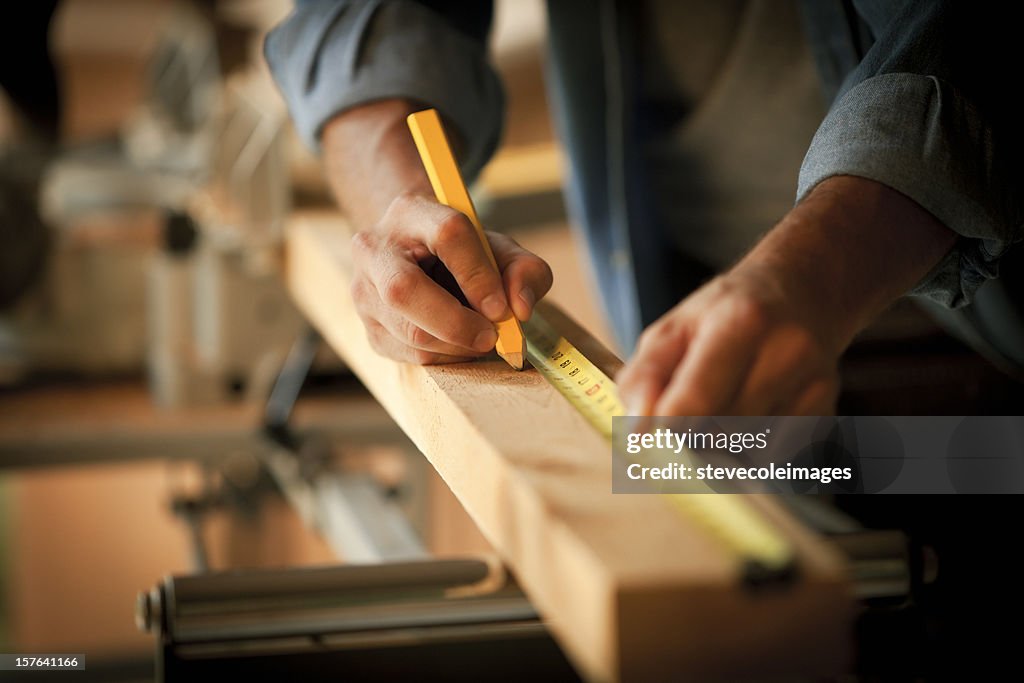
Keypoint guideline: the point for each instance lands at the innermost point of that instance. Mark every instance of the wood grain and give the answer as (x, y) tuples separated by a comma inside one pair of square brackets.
[(630, 589)]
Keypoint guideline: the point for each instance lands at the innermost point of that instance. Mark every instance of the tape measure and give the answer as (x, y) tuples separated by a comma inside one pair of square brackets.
[(589, 390), (764, 555)]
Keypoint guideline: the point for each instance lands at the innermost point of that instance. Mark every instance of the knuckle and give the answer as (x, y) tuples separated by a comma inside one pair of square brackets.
[(749, 313), (409, 197), (403, 201), (478, 279), (398, 288), (362, 243), (453, 229), (401, 208)]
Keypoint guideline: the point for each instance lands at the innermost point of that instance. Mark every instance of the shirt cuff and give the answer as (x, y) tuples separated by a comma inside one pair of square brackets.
[(919, 136), (330, 56)]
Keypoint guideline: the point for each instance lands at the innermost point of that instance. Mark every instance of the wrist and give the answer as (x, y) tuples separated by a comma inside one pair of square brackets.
[(845, 253)]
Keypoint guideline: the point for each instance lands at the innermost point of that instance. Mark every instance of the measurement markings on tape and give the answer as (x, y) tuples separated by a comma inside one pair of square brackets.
[(765, 555), (581, 382)]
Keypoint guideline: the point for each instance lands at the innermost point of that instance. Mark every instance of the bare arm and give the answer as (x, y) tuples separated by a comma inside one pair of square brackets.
[(370, 159)]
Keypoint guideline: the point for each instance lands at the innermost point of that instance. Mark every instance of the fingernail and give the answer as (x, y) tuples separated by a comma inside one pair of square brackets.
[(494, 307), (528, 297), (485, 341)]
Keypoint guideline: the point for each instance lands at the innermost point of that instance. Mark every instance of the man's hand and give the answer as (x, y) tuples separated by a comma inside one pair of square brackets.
[(765, 337), (413, 258), (409, 268), (731, 348)]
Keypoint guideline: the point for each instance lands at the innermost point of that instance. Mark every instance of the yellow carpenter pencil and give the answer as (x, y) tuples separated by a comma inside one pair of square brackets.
[(450, 190)]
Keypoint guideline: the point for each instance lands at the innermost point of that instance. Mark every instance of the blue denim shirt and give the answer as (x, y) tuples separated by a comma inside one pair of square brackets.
[(920, 102)]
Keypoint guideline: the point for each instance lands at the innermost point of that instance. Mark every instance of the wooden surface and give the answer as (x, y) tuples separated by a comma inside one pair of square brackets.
[(631, 589)]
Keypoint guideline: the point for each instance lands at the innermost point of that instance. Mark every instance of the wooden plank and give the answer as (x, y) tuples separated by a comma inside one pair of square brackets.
[(631, 589)]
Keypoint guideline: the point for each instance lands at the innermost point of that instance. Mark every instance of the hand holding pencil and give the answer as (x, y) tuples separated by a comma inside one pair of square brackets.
[(450, 190), (422, 281)]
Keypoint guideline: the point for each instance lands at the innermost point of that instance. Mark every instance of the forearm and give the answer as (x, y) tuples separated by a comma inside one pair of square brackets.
[(846, 252), (370, 159), (764, 337), (928, 113)]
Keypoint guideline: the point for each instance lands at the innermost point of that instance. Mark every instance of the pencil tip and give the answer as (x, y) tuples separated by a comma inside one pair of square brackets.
[(516, 360)]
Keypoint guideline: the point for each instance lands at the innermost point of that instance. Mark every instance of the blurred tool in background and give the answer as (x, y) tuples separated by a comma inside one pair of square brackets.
[(28, 76), (201, 162)]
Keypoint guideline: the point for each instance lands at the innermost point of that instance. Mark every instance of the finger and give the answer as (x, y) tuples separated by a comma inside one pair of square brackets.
[(526, 276), (716, 364), (660, 349), (819, 398), (414, 336), (786, 362), (384, 343), (452, 237), (403, 287), (371, 309)]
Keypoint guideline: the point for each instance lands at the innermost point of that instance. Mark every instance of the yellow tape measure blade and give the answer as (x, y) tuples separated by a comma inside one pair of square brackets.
[(765, 555)]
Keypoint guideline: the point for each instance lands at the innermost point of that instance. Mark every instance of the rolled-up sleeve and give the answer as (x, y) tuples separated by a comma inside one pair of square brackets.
[(927, 119), (329, 56)]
